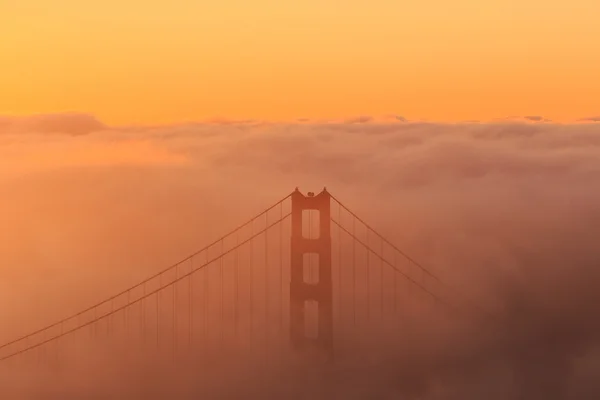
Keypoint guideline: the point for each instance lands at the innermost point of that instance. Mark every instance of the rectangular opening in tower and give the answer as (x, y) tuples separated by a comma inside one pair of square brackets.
[(310, 268), (311, 319), (310, 224)]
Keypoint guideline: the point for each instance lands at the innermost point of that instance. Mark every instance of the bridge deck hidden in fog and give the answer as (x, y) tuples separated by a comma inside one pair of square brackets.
[(305, 276)]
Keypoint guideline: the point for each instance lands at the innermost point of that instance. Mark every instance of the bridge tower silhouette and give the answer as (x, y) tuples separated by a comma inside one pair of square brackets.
[(321, 291)]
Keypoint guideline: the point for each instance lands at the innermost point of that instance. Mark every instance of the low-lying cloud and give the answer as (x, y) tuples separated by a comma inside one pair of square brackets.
[(508, 212), (592, 119), (68, 123)]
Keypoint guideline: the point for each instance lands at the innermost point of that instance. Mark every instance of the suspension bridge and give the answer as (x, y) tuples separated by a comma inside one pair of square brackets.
[(306, 277)]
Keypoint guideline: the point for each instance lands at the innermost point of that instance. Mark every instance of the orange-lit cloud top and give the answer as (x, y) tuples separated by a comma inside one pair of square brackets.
[(64, 178), (508, 210), (87, 208), (170, 61)]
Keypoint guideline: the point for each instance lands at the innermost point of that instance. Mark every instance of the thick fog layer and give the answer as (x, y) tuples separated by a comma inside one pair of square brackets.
[(506, 212)]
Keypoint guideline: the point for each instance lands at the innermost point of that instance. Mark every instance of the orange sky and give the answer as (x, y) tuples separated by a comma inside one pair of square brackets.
[(159, 61)]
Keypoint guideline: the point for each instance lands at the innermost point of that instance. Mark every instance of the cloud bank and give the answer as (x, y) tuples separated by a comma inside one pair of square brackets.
[(592, 119), (69, 124), (506, 211)]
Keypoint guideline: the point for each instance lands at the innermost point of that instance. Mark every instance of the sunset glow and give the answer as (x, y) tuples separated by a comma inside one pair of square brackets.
[(158, 61), (260, 199)]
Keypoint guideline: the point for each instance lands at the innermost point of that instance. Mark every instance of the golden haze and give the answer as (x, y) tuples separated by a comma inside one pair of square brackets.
[(506, 213)]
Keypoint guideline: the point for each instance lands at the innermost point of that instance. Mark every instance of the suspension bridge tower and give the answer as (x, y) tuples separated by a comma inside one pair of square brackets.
[(301, 291)]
